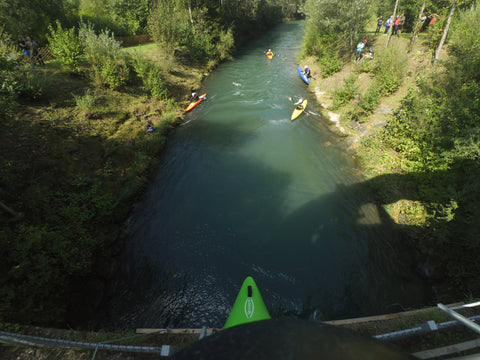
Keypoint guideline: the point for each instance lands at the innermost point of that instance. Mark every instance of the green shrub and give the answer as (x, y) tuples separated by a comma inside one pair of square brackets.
[(346, 93), (369, 101), (389, 69), (11, 83), (85, 103), (330, 63), (225, 45), (152, 77), (66, 47), (109, 67)]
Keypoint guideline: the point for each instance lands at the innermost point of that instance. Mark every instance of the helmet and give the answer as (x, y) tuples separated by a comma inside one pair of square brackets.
[(269, 49), (306, 66), (300, 100)]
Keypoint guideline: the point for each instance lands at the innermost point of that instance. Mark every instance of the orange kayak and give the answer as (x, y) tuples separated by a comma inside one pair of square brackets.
[(195, 103)]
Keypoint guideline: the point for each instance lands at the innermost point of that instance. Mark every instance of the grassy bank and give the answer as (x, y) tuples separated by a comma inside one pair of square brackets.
[(75, 159), (359, 108)]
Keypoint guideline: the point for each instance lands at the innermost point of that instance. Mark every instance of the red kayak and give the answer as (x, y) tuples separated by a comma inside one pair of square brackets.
[(195, 103)]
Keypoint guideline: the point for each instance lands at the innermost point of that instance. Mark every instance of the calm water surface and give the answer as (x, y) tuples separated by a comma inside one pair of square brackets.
[(242, 190)]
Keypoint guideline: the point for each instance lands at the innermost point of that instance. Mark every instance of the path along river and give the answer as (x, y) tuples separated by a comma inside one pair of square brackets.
[(241, 190)]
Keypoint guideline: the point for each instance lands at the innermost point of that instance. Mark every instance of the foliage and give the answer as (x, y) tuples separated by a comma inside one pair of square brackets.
[(66, 46), (330, 63), (10, 79), (369, 101), (225, 45), (210, 30), (56, 243), (25, 17), (85, 103), (109, 67), (346, 93), (437, 131), (389, 69), (152, 77), (335, 23), (166, 21)]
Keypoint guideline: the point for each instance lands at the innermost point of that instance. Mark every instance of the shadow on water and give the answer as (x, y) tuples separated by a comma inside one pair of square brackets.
[(190, 244), (243, 191)]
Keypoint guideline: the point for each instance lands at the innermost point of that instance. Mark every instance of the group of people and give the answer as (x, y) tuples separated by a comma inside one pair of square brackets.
[(29, 48), (396, 24), (359, 53)]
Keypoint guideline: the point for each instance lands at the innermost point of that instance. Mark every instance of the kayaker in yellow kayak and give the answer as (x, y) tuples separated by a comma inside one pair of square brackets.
[(299, 104)]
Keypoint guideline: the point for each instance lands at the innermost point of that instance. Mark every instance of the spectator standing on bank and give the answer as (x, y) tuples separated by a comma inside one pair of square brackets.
[(395, 25), (379, 24), (400, 24), (388, 23), (22, 44)]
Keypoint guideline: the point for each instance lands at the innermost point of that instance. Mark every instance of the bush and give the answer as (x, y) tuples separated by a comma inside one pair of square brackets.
[(369, 101), (109, 67), (225, 45), (11, 83), (330, 63), (346, 93), (66, 47), (389, 69), (152, 77)]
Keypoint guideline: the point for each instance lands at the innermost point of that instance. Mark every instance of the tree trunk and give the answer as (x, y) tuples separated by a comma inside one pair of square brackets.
[(391, 26), (418, 26), (190, 12), (8, 209), (445, 31)]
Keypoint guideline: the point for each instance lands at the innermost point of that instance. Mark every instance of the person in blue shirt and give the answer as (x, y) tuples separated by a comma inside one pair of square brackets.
[(307, 72)]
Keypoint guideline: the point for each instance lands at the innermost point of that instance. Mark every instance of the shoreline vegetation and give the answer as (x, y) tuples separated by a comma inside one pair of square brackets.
[(76, 156)]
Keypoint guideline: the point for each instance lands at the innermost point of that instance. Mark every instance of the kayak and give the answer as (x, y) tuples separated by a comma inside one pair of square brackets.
[(296, 113), (248, 306), (195, 103), (302, 75), (270, 55)]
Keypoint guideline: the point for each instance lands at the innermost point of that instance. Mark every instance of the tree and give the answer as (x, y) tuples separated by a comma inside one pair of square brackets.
[(27, 17), (445, 30), (334, 25), (390, 29), (418, 26)]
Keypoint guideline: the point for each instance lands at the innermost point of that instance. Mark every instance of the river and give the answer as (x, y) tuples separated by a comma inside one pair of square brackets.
[(241, 190)]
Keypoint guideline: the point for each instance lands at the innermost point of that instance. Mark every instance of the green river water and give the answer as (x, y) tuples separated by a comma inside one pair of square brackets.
[(243, 191)]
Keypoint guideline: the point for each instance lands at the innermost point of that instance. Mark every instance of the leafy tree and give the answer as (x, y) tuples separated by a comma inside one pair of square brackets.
[(30, 17), (66, 46), (335, 24), (166, 22)]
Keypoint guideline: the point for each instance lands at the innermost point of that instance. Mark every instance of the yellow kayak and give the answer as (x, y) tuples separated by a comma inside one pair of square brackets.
[(297, 112)]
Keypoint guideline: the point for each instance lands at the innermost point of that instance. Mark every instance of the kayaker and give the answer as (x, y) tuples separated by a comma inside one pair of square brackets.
[(270, 53), (299, 104), (194, 97), (307, 72)]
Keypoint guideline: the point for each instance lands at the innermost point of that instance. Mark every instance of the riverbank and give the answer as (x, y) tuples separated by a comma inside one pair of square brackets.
[(143, 109), (76, 157), (357, 130)]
